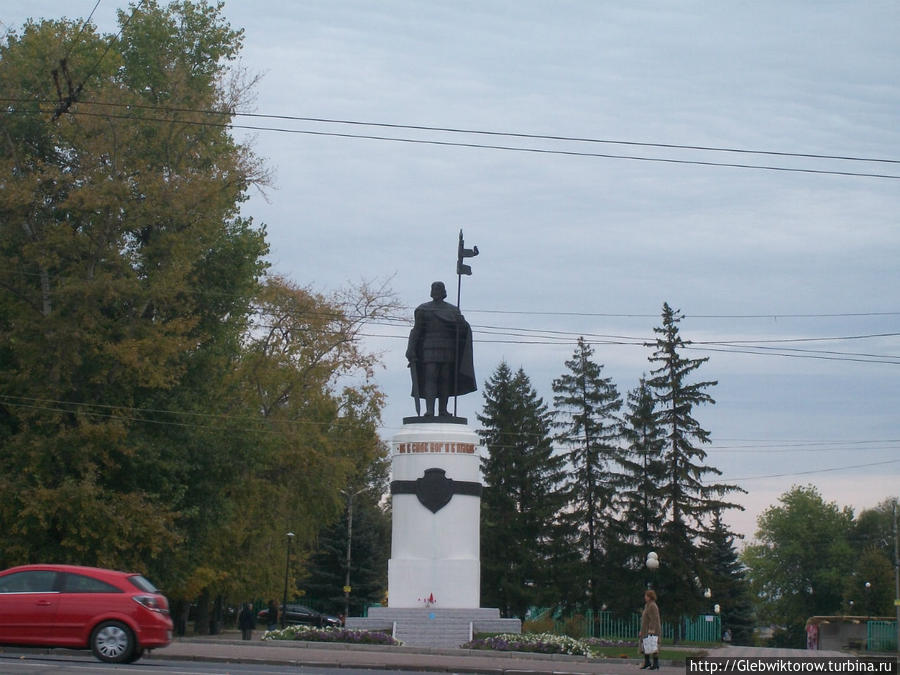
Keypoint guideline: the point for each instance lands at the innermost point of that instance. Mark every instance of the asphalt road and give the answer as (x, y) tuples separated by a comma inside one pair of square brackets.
[(71, 664)]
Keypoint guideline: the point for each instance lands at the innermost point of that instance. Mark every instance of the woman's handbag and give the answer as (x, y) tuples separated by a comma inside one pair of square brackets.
[(650, 644)]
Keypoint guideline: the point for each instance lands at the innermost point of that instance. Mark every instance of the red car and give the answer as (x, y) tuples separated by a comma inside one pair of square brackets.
[(116, 615)]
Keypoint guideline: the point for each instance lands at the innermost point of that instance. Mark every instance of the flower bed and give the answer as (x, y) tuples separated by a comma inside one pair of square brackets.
[(311, 634), (605, 642), (543, 643)]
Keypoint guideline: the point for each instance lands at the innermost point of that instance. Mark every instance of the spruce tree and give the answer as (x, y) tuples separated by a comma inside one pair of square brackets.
[(687, 496), (636, 531), (643, 470), (586, 404), (370, 550), (521, 499), (370, 547), (726, 578)]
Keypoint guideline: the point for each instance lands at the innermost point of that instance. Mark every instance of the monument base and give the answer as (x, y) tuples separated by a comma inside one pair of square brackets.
[(434, 626), (436, 506), (435, 419), (454, 584)]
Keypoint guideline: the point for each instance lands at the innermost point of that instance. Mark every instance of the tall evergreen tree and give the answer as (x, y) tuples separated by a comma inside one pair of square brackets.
[(636, 531), (726, 578), (585, 405), (521, 498), (369, 538), (643, 470), (689, 500)]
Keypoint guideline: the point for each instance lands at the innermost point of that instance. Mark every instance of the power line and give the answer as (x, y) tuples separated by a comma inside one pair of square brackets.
[(776, 316), (503, 134), (533, 336), (818, 444), (485, 146), (115, 412), (610, 315), (641, 342), (81, 30), (814, 471), (65, 103), (887, 360)]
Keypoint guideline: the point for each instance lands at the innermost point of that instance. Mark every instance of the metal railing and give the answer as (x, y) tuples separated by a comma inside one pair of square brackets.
[(881, 636), (703, 628)]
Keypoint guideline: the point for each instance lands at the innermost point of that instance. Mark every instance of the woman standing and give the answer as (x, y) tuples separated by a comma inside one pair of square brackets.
[(651, 627)]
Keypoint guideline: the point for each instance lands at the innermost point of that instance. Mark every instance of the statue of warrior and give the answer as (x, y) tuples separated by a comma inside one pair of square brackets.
[(440, 353)]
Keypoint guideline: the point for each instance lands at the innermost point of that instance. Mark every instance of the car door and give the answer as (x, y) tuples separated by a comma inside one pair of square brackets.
[(28, 604), (305, 615), (83, 599)]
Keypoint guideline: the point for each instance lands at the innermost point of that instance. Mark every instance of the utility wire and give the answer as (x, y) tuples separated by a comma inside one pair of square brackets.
[(208, 420), (66, 102), (81, 30), (484, 146), (602, 315), (503, 134), (571, 339), (813, 471)]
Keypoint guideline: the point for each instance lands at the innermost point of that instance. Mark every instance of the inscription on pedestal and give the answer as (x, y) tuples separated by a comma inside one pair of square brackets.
[(437, 447)]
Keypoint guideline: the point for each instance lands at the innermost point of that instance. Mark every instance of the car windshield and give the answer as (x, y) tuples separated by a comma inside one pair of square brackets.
[(142, 584)]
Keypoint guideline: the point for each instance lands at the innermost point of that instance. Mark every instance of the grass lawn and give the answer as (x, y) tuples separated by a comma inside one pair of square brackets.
[(665, 654)]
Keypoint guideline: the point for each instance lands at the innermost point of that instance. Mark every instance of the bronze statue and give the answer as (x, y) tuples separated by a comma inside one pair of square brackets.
[(440, 353)]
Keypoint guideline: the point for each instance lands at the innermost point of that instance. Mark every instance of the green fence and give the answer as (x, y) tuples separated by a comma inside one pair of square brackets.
[(881, 636), (704, 628)]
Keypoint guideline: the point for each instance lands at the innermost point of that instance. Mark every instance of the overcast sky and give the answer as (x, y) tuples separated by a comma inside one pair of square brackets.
[(794, 273)]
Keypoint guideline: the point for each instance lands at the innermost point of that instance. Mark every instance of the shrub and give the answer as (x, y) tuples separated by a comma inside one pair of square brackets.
[(543, 625), (574, 626)]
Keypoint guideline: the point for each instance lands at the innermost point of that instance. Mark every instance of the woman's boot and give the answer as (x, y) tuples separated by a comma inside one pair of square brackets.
[(646, 662)]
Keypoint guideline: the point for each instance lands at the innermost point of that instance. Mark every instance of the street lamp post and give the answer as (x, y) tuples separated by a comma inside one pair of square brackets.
[(896, 573), (350, 496), (868, 587), (287, 566), (652, 564)]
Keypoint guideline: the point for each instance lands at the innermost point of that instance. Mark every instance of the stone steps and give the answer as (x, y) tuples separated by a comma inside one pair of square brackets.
[(434, 627)]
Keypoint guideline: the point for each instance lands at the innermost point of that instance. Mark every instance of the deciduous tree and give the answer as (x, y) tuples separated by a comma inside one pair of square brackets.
[(126, 273), (800, 560), (162, 409)]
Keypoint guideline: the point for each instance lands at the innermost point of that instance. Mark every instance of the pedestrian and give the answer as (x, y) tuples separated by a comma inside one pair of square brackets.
[(651, 627), (272, 616), (246, 621)]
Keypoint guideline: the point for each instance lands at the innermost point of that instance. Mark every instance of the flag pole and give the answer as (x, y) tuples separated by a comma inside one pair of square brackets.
[(461, 253), (456, 341)]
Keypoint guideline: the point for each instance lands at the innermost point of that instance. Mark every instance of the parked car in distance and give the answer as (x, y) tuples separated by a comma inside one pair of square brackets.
[(117, 615), (301, 614)]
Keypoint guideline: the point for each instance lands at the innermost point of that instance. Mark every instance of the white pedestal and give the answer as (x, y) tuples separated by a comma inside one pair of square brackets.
[(435, 556)]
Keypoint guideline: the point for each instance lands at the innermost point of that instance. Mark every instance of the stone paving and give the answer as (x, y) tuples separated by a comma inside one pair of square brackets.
[(226, 649)]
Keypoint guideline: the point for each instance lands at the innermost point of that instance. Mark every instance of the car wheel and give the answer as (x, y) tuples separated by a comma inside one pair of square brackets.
[(113, 642), (135, 655)]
